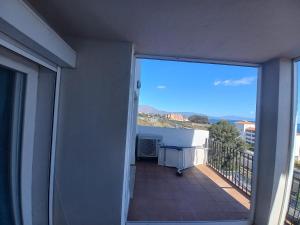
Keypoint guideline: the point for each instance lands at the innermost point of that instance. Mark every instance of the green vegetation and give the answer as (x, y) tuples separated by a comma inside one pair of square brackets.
[(227, 134), (228, 141), (199, 119)]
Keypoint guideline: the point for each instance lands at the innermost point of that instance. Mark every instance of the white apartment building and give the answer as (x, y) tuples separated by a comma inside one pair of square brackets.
[(242, 126), (250, 135)]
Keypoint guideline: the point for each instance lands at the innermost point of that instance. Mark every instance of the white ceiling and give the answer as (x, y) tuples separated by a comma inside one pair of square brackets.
[(233, 30)]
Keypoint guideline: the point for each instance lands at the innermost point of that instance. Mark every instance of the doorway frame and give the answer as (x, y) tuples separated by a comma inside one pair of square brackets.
[(250, 220)]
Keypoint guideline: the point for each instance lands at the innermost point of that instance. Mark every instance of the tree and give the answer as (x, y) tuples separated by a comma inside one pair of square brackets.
[(227, 135), (227, 143), (198, 119)]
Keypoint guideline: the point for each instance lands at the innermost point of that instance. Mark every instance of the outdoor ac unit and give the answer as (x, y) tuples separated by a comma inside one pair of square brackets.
[(148, 145)]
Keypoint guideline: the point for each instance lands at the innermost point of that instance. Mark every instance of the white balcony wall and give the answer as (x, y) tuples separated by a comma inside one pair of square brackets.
[(177, 136), (297, 147), (92, 135)]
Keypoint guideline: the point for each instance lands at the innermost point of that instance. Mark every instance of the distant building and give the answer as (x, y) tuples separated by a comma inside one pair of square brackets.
[(250, 135), (297, 147), (242, 126), (177, 117)]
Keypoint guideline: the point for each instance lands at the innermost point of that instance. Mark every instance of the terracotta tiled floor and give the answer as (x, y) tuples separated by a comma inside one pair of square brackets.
[(200, 194)]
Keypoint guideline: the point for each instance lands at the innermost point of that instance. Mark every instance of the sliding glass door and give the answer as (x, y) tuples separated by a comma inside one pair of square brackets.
[(11, 105), (18, 97)]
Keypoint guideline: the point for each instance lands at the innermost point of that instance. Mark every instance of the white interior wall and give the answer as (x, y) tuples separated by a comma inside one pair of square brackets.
[(137, 76), (92, 133), (130, 142)]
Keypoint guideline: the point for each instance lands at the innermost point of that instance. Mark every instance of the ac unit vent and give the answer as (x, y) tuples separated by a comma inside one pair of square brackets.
[(148, 145)]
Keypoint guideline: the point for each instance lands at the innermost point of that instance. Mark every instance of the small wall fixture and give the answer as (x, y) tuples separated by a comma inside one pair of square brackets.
[(138, 84)]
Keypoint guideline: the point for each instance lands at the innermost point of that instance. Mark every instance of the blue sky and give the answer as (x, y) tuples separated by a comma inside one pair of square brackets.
[(211, 89)]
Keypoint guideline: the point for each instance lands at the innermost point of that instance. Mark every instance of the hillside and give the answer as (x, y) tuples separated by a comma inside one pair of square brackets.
[(161, 121), (152, 110)]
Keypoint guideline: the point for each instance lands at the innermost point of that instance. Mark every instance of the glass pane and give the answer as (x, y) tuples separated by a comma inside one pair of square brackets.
[(10, 105)]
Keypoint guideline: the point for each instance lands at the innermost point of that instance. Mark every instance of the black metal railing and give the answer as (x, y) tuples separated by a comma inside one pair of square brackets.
[(235, 165), (293, 213)]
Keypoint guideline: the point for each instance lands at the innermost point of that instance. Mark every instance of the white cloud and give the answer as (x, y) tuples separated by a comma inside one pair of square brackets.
[(216, 83), (161, 87), (235, 82)]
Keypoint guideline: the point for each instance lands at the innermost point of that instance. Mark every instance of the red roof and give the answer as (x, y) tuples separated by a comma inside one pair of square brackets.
[(251, 129), (244, 122)]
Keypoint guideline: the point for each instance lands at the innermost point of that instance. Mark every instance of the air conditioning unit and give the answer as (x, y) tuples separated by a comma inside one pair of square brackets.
[(148, 145)]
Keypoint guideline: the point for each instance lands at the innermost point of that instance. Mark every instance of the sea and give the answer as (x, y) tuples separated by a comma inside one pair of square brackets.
[(213, 121)]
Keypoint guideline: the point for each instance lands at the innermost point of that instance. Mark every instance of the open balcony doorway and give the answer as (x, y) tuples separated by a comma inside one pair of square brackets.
[(195, 142)]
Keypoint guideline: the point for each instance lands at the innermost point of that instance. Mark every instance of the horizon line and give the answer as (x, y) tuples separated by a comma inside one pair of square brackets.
[(208, 115)]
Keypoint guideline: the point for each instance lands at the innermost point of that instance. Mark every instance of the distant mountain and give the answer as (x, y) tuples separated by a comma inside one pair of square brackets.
[(152, 110)]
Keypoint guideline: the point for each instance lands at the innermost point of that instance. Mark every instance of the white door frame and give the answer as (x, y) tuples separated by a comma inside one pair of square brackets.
[(53, 145), (16, 56)]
